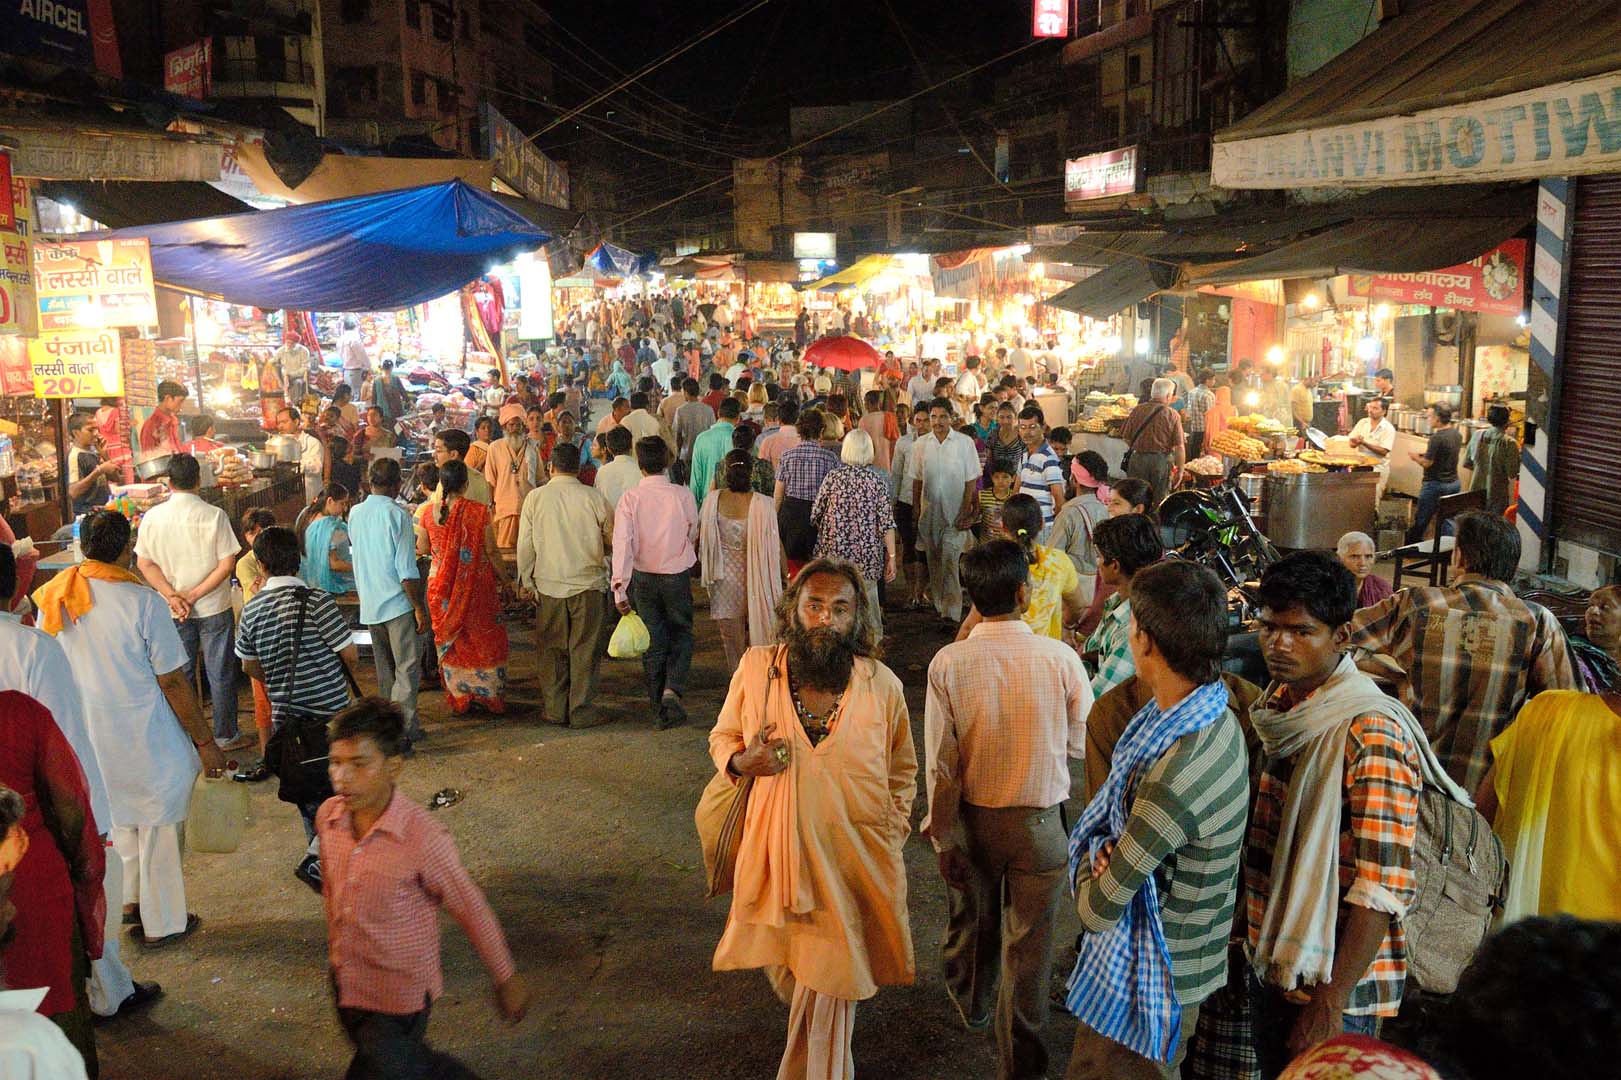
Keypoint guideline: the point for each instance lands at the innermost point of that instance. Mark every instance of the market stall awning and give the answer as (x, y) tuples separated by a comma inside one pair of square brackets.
[(1448, 91), (853, 276), (1110, 291), (120, 204), (343, 176), (1411, 244), (370, 253)]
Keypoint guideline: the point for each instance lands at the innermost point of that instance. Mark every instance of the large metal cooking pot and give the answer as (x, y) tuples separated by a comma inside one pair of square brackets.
[(283, 448), (1421, 423), (261, 459), (154, 467), (1313, 510)]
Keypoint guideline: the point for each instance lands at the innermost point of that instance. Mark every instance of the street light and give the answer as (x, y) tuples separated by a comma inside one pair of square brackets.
[(1274, 355)]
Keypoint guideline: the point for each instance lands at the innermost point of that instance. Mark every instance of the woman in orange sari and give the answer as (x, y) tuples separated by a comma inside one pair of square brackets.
[(463, 597)]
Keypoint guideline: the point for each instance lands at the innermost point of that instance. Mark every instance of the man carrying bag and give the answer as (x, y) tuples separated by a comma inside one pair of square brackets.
[(295, 641)]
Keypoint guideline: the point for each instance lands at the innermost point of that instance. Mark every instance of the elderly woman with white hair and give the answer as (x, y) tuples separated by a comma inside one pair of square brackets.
[(1154, 440), (1356, 552), (853, 517)]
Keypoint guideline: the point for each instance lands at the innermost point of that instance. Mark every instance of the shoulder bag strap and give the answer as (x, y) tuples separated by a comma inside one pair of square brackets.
[(298, 635), (1131, 440)]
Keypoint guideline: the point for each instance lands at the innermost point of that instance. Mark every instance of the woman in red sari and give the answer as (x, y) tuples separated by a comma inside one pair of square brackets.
[(463, 598), (61, 908)]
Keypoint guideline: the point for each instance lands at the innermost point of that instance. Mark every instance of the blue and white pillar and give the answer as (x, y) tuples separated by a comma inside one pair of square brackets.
[(1547, 286)]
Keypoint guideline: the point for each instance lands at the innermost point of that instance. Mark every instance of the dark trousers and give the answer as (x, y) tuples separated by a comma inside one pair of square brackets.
[(1154, 468), (394, 1047), (664, 601), (1195, 444), (1429, 500), (998, 947), (1272, 1018)]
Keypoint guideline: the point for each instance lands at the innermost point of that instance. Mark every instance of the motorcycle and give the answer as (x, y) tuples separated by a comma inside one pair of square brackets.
[(1216, 528)]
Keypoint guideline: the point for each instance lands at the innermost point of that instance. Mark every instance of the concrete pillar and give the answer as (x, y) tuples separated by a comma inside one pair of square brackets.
[(1554, 205)]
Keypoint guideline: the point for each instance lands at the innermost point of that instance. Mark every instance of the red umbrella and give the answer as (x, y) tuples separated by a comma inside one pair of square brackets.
[(845, 353)]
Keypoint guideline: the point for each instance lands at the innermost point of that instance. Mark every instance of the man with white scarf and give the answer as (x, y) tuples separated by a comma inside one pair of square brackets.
[(1344, 765)]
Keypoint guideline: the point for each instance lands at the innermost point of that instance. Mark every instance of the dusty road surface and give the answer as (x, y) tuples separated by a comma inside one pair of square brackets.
[(584, 843)]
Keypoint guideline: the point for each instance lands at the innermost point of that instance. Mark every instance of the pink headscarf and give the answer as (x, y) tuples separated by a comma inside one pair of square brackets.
[(1084, 478)]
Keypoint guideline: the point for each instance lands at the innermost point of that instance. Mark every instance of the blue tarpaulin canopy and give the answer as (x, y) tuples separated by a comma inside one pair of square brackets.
[(369, 253)]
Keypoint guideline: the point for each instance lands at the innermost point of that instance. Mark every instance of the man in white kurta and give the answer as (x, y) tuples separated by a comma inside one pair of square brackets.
[(128, 640)]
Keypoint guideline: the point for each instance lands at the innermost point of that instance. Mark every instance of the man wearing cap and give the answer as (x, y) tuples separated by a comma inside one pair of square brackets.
[(513, 469)]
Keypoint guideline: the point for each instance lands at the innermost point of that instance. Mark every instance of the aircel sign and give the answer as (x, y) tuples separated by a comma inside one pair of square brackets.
[(1559, 130)]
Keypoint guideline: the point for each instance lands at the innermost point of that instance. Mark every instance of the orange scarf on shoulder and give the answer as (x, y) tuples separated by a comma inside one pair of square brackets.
[(69, 593)]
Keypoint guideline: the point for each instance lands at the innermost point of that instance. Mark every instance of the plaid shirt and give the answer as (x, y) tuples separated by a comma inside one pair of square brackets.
[(802, 468), (1473, 654), (1378, 826), (1112, 642), (383, 894), (1198, 403)]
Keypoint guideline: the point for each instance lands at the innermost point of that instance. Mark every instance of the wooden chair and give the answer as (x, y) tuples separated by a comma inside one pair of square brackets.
[(1430, 558)]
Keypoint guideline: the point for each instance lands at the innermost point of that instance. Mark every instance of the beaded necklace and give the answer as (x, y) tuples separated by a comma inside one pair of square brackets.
[(816, 727)]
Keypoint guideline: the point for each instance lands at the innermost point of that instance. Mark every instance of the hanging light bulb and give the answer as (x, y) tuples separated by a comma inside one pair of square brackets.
[(1274, 355), (1311, 301)]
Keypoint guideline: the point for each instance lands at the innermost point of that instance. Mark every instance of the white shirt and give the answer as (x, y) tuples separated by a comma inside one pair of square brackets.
[(148, 762), (32, 662), (617, 477), (900, 475), (187, 538), (294, 362), (663, 369), (1383, 436), (944, 467), (921, 389), (1020, 359), (353, 353), (969, 386), (311, 455), (32, 1047), (642, 425)]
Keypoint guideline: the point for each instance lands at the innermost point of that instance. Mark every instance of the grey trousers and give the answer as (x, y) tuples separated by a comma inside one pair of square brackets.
[(1003, 926), (568, 637), (398, 654), (1096, 1057)]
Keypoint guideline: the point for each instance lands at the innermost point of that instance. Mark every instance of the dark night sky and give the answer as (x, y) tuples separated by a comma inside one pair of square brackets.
[(790, 51)]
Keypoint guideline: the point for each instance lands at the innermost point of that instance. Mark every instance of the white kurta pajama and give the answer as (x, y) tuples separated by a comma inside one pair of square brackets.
[(122, 644)]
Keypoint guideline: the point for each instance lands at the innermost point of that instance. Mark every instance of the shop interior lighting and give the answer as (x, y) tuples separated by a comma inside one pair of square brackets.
[(1311, 301), (1113, 343), (1381, 313), (1368, 348), (1143, 346), (1252, 399), (1275, 355), (1522, 319)]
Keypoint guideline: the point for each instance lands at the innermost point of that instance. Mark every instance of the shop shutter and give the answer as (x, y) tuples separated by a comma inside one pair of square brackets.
[(1587, 459)]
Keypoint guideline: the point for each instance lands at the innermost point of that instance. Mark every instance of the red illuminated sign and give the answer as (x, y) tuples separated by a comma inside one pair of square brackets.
[(1049, 18)]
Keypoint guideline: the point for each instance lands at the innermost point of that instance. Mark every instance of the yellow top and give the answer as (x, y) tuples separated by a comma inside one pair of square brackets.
[(1051, 576), (250, 576), (1559, 784)]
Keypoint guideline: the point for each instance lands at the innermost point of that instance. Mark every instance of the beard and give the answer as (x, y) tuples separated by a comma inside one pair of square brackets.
[(822, 659)]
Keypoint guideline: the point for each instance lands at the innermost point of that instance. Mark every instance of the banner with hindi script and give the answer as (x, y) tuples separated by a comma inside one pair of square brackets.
[(1493, 283), (77, 364), (89, 284), (19, 314)]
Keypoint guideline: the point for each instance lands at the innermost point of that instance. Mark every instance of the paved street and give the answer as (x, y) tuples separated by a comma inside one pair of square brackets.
[(584, 843)]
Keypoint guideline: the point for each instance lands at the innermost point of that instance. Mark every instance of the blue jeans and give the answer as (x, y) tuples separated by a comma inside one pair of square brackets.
[(664, 601), (214, 636), (1429, 498), (1272, 1018)]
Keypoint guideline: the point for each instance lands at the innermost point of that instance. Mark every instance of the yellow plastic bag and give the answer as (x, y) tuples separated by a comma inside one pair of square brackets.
[(630, 638)]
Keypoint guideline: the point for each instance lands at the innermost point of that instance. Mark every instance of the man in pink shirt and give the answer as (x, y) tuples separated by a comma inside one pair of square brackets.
[(655, 525), (771, 447), (388, 867)]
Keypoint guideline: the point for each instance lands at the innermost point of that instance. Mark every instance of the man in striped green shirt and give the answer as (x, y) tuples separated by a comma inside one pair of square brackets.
[(1183, 828)]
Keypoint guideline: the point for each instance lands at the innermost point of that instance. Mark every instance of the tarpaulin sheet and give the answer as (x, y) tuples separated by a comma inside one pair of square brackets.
[(368, 253), (1111, 291)]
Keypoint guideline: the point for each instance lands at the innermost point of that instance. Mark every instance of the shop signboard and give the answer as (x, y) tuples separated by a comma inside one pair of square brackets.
[(1101, 176), (16, 373), (1493, 283), (8, 217), (19, 313), (535, 299), (77, 364), (87, 284), (816, 245), (520, 163), (76, 33), (1566, 129), (189, 71), (1049, 18)]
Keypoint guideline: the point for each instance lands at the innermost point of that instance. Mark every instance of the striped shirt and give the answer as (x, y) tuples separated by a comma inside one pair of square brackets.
[(383, 894), (802, 468), (1186, 827), (1112, 642), (1378, 826), (1039, 472), (298, 671), (1473, 653)]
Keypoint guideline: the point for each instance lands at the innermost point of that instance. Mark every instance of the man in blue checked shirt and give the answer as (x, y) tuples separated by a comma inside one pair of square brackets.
[(1154, 857)]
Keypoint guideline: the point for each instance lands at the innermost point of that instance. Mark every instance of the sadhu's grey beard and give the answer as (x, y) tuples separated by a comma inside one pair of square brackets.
[(822, 659)]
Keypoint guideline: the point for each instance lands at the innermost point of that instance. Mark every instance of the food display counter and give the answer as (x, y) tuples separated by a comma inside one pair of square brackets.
[(1407, 475), (1111, 449)]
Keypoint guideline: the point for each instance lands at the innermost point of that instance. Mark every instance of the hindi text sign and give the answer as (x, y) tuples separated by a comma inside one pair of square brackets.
[(87, 284), (77, 364)]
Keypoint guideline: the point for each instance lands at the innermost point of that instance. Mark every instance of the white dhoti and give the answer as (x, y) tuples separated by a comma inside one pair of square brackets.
[(151, 858), (943, 546), (110, 981)]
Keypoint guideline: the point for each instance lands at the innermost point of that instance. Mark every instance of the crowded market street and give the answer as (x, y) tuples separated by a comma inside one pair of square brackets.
[(583, 842)]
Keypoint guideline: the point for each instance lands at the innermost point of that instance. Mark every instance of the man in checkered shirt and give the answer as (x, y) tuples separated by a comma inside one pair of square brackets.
[(1124, 545), (388, 867)]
